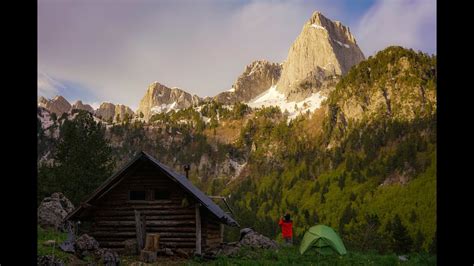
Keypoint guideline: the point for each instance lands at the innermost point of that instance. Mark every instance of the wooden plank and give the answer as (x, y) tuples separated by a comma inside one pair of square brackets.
[(149, 228), (198, 229), (120, 223), (132, 234), (149, 217), (130, 212)]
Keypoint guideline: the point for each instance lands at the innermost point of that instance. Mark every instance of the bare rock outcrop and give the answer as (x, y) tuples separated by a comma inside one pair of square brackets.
[(52, 210), (57, 105), (256, 78), (110, 112), (159, 98), (323, 48), (80, 106)]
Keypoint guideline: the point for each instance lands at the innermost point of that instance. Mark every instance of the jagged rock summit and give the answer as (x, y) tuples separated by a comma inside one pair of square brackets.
[(159, 98), (57, 105), (257, 77), (110, 111), (80, 106), (323, 49)]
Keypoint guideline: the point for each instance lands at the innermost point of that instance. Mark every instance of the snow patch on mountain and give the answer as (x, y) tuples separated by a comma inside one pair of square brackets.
[(318, 27), (272, 97), (343, 44), (164, 108)]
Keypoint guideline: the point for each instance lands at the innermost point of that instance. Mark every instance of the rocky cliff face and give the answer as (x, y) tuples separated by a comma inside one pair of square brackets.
[(57, 105), (257, 77), (109, 111), (122, 110), (80, 106), (324, 48), (160, 98)]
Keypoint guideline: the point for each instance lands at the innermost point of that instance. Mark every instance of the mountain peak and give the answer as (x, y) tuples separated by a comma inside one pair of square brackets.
[(324, 48), (160, 98), (57, 105), (110, 111), (257, 77), (81, 106)]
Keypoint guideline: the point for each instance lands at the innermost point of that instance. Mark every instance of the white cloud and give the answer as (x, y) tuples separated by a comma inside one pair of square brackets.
[(409, 23)]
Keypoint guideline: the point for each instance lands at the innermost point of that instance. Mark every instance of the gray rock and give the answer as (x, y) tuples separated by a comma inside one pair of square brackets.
[(108, 257), (181, 253), (256, 240), (49, 261), (130, 247), (403, 257), (168, 252), (52, 211), (86, 245)]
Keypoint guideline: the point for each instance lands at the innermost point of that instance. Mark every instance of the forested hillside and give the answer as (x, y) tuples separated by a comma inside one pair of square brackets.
[(364, 163)]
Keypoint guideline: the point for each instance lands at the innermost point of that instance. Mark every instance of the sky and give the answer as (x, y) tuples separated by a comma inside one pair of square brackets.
[(111, 50)]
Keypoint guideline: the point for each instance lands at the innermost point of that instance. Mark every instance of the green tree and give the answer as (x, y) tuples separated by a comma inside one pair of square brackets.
[(83, 158), (54, 117), (401, 241)]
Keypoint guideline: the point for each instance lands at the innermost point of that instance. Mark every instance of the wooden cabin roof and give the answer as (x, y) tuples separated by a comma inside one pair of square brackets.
[(181, 180)]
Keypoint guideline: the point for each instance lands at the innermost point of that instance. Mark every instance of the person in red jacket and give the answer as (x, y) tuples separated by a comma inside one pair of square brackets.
[(286, 225)]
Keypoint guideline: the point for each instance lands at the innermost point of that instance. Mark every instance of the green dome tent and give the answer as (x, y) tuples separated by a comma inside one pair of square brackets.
[(324, 239)]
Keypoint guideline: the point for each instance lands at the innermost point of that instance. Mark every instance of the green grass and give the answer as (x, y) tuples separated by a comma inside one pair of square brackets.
[(247, 256), (291, 256), (51, 234)]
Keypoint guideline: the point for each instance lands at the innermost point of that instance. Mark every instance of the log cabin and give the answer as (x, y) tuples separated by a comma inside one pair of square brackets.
[(182, 215)]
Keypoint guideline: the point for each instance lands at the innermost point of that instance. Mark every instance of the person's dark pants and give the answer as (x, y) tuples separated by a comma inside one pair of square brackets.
[(288, 240)]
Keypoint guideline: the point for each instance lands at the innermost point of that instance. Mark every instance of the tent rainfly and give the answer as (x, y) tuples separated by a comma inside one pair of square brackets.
[(324, 239)]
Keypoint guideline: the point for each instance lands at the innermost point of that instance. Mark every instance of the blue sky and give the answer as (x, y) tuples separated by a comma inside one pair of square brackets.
[(104, 50)]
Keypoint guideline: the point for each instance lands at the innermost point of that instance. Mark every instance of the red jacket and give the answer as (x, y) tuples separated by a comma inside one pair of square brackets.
[(286, 228)]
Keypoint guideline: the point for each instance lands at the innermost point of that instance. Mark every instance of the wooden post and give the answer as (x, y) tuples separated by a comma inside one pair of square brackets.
[(198, 229), (140, 230), (222, 232)]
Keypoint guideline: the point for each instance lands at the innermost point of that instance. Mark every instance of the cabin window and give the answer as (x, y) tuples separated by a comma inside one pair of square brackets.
[(161, 194), (137, 195)]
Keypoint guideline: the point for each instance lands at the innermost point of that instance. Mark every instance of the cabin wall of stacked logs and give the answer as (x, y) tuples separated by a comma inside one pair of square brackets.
[(113, 218)]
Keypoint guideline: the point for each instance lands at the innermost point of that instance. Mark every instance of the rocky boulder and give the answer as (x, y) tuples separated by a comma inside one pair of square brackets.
[(86, 245), (248, 238), (53, 210), (108, 257), (256, 240), (49, 260)]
